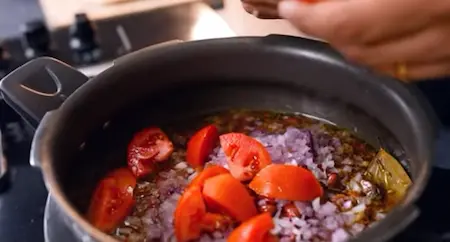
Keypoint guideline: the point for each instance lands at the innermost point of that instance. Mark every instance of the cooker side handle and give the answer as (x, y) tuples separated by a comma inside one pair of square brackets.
[(39, 86)]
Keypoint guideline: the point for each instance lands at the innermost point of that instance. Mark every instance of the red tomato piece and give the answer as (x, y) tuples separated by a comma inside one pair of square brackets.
[(112, 199), (286, 182), (191, 217), (208, 172), (188, 215), (148, 146), (256, 229), (225, 194), (215, 222), (245, 155), (200, 145)]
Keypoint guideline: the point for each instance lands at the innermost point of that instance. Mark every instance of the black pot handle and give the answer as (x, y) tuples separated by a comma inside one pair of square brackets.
[(39, 86)]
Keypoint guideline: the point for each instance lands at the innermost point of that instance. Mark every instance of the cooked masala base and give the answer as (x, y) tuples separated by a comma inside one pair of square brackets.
[(269, 177)]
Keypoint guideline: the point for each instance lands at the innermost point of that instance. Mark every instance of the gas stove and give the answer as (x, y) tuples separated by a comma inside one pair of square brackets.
[(91, 46)]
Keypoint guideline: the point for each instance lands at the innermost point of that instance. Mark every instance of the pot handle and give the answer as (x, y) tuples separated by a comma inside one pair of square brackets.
[(39, 86)]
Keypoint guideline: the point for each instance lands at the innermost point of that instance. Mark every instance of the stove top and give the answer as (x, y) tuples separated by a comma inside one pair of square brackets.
[(92, 45)]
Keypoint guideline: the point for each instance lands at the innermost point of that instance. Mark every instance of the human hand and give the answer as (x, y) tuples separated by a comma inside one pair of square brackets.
[(263, 9), (409, 39)]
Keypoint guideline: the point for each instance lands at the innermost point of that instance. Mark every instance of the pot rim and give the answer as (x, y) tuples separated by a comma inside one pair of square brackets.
[(46, 132)]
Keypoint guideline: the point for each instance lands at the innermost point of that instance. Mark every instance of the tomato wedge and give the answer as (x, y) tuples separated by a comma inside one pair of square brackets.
[(201, 145), (257, 229), (208, 172), (189, 213), (148, 146), (225, 194), (246, 156), (191, 217), (112, 199), (212, 222), (286, 182)]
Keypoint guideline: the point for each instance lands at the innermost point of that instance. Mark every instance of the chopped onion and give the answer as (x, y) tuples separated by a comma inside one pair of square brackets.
[(181, 166)]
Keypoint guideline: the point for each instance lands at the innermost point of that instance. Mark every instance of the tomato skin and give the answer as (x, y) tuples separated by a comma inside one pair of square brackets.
[(200, 145), (245, 155), (112, 199), (226, 195), (256, 229), (191, 217), (286, 182), (188, 215), (208, 172), (148, 146), (212, 222)]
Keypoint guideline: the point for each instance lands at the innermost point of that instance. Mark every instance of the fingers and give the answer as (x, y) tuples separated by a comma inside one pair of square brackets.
[(418, 71), (362, 21), (430, 44), (428, 71), (271, 3), (261, 10), (380, 33), (321, 20)]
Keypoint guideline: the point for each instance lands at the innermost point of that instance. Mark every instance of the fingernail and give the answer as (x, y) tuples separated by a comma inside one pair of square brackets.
[(288, 9)]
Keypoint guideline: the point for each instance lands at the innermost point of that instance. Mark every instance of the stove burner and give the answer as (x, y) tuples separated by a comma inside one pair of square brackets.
[(36, 39), (83, 41)]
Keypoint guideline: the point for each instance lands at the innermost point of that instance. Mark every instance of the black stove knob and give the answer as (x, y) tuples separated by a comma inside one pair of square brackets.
[(83, 40), (36, 39), (5, 62)]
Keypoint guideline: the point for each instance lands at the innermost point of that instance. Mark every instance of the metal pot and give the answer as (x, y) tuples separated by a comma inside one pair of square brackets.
[(3, 167), (82, 135)]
